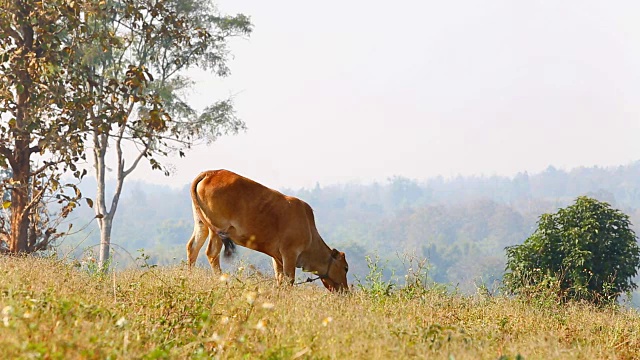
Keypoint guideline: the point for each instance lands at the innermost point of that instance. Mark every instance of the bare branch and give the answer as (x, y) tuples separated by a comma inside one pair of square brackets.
[(45, 166), (44, 243), (15, 35), (35, 199), (136, 161)]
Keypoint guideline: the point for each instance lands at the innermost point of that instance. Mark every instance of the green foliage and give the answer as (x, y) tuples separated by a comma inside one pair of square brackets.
[(374, 283), (43, 104), (89, 264), (40, 76), (587, 251), (141, 87), (379, 284), (143, 260), (416, 278)]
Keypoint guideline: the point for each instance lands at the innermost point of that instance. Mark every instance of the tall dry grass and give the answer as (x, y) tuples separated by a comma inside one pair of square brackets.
[(53, 310)]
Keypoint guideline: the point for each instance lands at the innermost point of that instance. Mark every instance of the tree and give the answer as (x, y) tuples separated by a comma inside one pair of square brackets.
[(587, 250), (405, 192), (43, 218), (140, 83), (43, 107)]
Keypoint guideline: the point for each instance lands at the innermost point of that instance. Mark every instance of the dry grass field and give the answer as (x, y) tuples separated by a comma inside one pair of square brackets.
[(54, 310)]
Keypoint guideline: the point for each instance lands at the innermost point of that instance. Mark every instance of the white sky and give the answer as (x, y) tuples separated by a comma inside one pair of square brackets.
[(341, 91)]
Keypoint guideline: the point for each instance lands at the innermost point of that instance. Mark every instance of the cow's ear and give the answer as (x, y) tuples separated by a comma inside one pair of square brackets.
[(335, 253)]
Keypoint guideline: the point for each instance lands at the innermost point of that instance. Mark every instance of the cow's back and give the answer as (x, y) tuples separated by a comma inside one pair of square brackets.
[(254, 215)]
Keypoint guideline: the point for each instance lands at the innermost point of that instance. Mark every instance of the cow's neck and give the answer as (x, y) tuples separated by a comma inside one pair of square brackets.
[(316, 257)]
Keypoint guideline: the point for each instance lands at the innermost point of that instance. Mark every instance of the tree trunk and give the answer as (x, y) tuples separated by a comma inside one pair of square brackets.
[(19, 201), (19, 160), (105, 217), (105, 242), (105, 223)]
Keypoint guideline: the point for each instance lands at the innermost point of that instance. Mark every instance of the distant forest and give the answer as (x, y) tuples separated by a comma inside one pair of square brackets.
[(460, 225)]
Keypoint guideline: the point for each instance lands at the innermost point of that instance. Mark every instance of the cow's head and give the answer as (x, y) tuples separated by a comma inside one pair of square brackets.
[(336, 277)]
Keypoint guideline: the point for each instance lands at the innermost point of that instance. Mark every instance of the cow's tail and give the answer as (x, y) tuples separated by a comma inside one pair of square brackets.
[(229, 245)]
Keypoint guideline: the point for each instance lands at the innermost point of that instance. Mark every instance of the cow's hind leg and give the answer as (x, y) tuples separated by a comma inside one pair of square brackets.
[(213, 251), (277, 269), (198, 237)]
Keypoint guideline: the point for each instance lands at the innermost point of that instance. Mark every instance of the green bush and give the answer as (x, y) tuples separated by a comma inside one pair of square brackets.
[(587, 251)]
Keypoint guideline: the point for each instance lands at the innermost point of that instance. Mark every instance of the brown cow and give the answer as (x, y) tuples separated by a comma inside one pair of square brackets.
[(229, 208)]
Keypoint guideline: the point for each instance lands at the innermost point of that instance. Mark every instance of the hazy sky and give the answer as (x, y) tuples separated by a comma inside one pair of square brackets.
[(342, 91)]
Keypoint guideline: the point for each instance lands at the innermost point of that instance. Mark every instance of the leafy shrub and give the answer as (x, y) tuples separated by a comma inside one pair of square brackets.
[(374, 283), (587, 250)]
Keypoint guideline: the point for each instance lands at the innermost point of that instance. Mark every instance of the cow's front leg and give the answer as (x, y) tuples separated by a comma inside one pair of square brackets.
[(289, 268)]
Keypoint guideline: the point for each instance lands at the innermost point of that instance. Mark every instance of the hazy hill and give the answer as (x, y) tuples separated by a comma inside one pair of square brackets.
[(461, 225)]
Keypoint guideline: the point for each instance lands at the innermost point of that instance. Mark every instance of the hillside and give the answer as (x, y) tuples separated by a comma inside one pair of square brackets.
[(58, 311), (460, 225)]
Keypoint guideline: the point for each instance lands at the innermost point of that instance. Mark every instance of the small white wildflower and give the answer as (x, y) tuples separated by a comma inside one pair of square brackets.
[(215, 338), (327, 320), (7, 310), (218, 341), (268, 306), (261, 325), (224, 278), (121, 322), (251, 297)]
